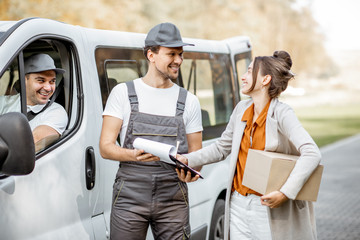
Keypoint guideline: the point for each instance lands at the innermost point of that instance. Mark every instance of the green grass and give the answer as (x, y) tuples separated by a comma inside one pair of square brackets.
[(330, 123)]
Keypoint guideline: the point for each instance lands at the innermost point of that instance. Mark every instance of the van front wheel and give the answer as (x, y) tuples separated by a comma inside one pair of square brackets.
[(217, 221)]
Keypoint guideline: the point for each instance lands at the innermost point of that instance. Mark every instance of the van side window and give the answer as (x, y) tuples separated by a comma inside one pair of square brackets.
[(117, 65), (62, 110), (208, 76), (120, 71)]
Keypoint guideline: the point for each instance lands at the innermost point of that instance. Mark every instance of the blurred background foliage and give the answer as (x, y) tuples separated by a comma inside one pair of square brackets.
[(329, 103), (271, 24)]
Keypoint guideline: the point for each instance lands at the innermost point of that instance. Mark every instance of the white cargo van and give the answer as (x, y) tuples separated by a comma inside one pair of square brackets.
[(62, 188)]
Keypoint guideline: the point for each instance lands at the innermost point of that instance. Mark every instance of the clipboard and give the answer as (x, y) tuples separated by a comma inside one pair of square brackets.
[(165, 152), (180, 165)]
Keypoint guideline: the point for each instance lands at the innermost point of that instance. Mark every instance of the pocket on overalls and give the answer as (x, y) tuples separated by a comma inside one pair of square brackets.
[(187, 232), (118, 185), (183, 192), (149, 129)]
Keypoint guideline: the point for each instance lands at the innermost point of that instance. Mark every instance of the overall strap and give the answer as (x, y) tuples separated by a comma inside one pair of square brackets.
[(134, 103), (180, 105)]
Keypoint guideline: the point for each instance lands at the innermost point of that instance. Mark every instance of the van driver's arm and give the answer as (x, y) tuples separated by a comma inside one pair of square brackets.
[(44, 131), (110, 150), (50, 126)]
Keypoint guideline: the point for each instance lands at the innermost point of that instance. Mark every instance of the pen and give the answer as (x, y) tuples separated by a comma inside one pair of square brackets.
[(177, 147)]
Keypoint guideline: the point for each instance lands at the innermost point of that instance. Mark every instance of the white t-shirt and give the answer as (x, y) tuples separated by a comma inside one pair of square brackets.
[(156, 101), (54, 116)]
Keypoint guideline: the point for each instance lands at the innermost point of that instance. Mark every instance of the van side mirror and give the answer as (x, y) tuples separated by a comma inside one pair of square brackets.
[(17, 151)]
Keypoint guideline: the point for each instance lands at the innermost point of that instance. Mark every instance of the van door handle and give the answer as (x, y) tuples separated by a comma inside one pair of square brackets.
[(90, 168)]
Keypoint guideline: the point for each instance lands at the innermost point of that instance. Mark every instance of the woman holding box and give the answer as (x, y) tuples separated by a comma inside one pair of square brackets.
[(264, 123)]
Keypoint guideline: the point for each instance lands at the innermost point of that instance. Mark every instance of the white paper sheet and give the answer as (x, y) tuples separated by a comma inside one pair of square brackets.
[(161, 150)]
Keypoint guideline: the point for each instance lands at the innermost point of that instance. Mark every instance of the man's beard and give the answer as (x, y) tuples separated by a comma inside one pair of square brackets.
[(167, 76)]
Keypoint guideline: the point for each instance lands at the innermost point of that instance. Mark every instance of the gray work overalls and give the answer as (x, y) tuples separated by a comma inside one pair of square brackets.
[(150, 192)]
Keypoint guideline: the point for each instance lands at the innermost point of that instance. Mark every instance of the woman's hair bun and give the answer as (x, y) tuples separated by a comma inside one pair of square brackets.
[(285, 56)]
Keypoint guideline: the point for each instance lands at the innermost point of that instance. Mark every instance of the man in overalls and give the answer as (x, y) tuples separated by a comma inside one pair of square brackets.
[(147, 191)]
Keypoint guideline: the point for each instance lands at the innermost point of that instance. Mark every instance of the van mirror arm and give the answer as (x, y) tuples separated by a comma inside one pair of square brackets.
[(17, 151)]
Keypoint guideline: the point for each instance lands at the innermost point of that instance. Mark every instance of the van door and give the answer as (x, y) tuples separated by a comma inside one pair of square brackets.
[(114, 65), (60, 197)]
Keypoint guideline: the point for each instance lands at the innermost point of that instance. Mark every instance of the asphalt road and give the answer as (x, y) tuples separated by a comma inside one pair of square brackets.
[(338, 206)]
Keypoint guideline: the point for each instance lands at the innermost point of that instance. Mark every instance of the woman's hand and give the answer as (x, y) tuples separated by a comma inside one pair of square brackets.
[(185, 177), (182, 159), (274, 199)]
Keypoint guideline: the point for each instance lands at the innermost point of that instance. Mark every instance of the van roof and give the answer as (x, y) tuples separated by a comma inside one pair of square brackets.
[(98, 37), (6, 25)]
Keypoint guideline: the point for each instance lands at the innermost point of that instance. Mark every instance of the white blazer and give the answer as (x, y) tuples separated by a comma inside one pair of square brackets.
[(284, 134)]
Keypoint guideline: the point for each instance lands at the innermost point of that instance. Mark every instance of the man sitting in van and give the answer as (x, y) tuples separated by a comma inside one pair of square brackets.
[(46, 119)]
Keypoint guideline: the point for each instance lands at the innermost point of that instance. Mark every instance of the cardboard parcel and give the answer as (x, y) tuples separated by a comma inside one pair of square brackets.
[(268, 171)]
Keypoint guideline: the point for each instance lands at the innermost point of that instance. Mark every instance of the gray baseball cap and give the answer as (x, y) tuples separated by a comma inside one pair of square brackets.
[(165, 35), (39, 63)]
